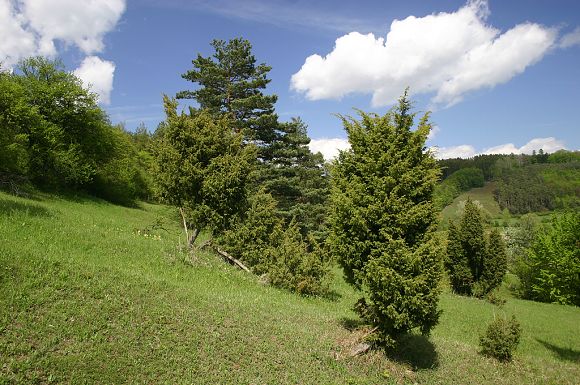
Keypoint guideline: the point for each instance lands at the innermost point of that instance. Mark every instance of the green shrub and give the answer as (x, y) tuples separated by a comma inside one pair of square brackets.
[(281, 253), (501, 338)]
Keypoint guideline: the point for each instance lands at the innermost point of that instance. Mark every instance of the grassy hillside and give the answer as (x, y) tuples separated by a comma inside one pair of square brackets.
[(89, 295), (483, 195)]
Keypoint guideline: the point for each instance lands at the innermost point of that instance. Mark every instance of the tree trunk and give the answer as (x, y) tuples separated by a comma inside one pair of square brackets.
[(193, 237)]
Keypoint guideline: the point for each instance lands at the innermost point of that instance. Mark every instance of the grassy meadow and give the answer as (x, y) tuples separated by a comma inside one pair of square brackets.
[(96, 293)]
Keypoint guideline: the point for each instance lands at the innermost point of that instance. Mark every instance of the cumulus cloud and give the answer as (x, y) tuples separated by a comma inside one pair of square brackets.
[(549, 145), (462, 151), (32, 27), (570, 39), (97, 75), (448, 54), (329, 147)]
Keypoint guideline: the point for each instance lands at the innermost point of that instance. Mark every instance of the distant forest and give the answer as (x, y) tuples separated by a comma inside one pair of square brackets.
[(524, 183)]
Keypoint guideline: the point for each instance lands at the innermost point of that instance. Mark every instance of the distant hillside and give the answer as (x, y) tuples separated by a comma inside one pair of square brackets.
[(483, 195)]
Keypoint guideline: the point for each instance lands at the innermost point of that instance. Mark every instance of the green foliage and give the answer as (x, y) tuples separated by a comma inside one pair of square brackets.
[(297, 179), (486, 163), (231, 84), (501, 338), (539, 187), (563, 156), (202, 167), (54, 134), (476, 264), (461, 180), (456, 262), (495, 262), (551, 270), (263, 242), (383, 218)]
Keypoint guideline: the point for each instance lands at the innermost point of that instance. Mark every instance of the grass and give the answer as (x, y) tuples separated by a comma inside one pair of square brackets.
[(91, 293), (483, 195)]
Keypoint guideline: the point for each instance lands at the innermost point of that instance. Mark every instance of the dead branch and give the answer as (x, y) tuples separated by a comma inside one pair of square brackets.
[(231, 259)]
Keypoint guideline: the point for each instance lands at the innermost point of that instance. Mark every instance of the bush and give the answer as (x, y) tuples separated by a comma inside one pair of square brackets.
[(263, 243), (501, 338)]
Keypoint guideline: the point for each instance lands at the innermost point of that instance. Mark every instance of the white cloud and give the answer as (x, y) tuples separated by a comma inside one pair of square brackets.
[(548, 145), (15, 41), (433, 133), (97, 75), (570, 39), (329, 147), (82, 23), (32, 27), (462, 151), (449, 54)]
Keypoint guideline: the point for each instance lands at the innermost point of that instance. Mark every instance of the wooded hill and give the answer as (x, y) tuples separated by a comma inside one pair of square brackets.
[(524, 183)]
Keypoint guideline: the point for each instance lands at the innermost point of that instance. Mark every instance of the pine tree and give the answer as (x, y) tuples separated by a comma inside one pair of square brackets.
[(231, 84), (383, 220), (297, 179)]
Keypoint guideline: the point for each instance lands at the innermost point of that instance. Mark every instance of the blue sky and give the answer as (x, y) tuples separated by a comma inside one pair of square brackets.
[(498, 76)]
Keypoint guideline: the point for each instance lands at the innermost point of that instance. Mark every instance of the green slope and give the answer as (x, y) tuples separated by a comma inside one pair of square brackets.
[(483, 195), (86, 297)]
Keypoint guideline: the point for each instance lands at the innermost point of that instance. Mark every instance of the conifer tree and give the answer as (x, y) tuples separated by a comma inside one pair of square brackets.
[(202, 167), (297, 179), (472, 238), (456, 263), (383, 220), (476, 264), (231, 83), (495, 264)]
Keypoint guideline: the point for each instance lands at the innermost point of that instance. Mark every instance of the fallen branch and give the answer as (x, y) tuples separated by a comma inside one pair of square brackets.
[(231, 259)]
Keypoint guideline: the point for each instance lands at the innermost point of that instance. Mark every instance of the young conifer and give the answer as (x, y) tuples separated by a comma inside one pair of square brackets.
[(383, 220)]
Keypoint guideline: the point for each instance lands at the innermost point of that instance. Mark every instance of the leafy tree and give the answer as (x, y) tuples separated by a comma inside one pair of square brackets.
[(476, 264), (72, 139), (231, 84), (202, 167), (551, 270), (383, 220)]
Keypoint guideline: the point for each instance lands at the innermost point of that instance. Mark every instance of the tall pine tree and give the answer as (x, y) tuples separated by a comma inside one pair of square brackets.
[(232, 84)]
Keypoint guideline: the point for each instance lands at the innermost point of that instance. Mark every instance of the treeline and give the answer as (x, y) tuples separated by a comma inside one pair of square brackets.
[(54, 135), (524, 183)]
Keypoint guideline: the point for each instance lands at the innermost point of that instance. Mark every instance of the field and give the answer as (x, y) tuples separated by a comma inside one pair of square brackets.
[(96, 293)]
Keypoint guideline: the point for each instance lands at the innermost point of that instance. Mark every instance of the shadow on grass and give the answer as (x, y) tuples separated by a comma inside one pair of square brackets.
[(566, 354), (351, 324), (8, 207), (416, 351)]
